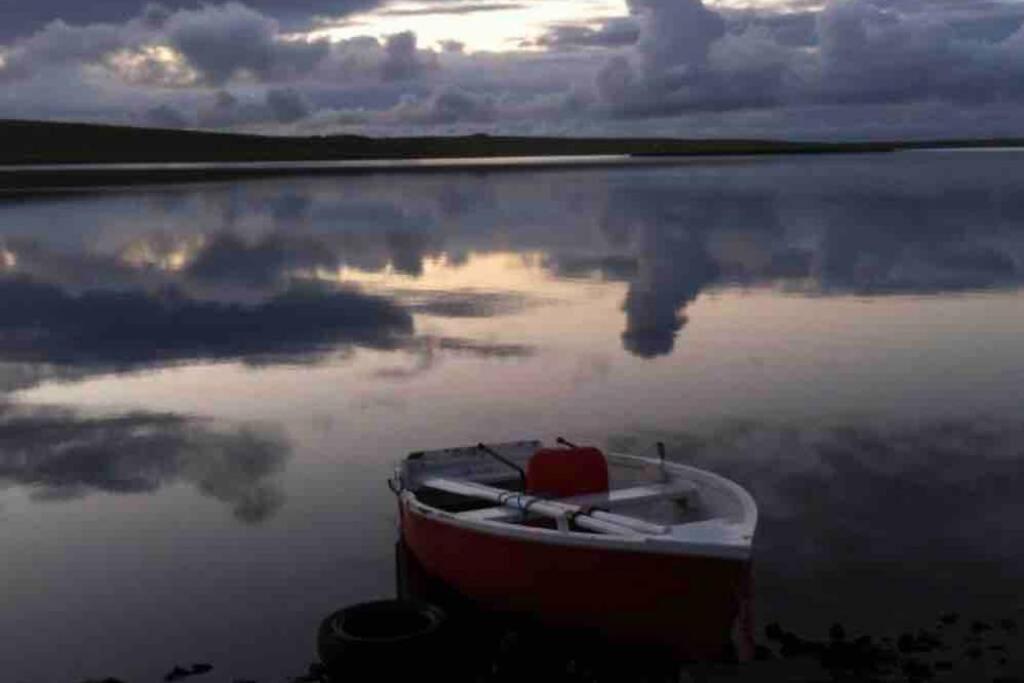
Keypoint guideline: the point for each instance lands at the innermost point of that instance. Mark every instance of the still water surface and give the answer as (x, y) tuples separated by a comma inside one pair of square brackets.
[(206, 386)]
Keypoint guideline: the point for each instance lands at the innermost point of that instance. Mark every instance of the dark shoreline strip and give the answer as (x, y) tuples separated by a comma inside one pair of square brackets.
[(19, 180)]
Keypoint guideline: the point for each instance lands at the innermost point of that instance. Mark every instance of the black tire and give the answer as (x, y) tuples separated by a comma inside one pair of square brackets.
[(385, 638)]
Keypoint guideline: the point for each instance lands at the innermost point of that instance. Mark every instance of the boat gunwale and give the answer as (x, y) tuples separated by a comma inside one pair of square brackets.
[(660, 544)]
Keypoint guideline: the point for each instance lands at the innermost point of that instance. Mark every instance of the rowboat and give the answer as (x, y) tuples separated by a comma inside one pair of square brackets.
[(641, 550)]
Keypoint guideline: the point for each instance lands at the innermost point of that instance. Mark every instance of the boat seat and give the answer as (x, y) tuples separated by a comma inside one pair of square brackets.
[(564, 472), (608, 500)]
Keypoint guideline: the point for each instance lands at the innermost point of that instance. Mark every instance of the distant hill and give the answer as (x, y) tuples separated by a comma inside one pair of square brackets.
[(36, 142), (25, 145)]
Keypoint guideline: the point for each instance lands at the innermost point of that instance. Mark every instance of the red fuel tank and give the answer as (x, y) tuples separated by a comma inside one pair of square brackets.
[(564, 472)]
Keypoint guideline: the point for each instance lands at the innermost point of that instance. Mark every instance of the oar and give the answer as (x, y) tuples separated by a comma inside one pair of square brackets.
[(595, 520), (518, 501)]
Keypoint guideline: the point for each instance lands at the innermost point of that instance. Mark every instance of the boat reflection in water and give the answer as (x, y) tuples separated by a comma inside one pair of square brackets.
[(612, 553)]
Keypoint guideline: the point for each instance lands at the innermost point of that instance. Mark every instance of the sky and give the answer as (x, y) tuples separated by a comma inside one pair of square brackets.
[(800, 69)]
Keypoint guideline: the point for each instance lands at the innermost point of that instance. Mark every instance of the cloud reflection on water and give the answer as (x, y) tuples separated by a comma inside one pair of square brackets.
[(42, 323), (856, 511), (172, 300), (909, 225), (674, 268), (62, 455)]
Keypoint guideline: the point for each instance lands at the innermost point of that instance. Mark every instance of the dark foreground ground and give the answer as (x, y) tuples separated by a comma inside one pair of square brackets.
[(953, 649)]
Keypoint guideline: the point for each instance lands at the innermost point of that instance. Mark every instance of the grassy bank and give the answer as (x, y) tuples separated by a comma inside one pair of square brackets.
[(35, 142), (26, 145)]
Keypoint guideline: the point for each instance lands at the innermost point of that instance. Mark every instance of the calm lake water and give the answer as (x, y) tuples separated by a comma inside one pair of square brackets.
[(206, 386)]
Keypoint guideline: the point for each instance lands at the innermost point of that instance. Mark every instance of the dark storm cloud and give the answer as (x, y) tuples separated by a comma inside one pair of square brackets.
[(464, 8), (41, 323), (21, 18), (165, 116), (215, 44), (865, 52), (954, 66), (688, 62), (448, 106), (59, 44), (612, 33), (675, 33), (792, 29), (224, 109), (364, 71), (402, 61), (995, 26), (59, 455), (224, 41), (870, 53), (287, 105)]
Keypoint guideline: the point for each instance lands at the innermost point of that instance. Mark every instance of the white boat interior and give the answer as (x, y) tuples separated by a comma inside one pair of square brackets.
[(650, 503)]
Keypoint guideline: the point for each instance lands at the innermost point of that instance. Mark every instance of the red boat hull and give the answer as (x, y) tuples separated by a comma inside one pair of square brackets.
[(695, 607)]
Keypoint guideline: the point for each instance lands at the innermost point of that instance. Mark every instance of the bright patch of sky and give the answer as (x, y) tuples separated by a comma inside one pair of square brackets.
[(503, 25), (493, 25)]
